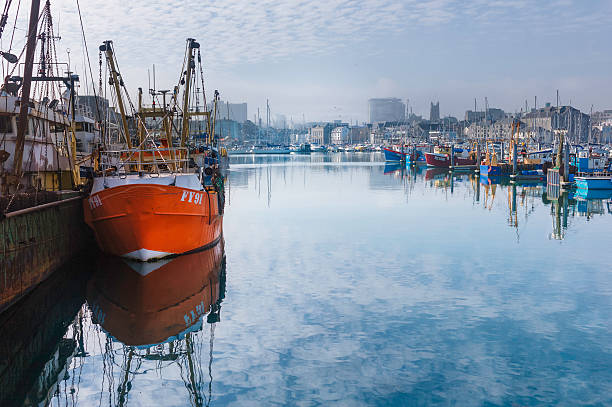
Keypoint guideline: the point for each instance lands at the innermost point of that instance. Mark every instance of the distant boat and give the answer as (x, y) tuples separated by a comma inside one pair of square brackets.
[(315, 148), (529, 176), (595, 180), (303, 149), (443, 160), (270, 150), (416, 156), (394, 155)]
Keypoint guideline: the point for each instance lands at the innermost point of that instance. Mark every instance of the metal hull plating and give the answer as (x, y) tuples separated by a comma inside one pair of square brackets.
[(443, 160), (392, 155), (594, 182), (149, 221)]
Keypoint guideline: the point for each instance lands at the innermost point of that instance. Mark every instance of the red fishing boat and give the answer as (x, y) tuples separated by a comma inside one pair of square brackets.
[(441, 158)]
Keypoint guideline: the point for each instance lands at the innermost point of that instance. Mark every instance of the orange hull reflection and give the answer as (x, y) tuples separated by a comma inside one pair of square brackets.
[(161, 305), (148, 221)]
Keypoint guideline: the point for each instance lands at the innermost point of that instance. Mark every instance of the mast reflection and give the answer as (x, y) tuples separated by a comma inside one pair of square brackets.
[(157, 310)]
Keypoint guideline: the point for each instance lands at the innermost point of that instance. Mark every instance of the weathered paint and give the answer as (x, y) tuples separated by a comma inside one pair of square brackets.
[(37, 243)]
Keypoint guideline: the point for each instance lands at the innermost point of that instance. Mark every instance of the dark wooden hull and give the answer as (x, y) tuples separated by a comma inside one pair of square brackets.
[(35, 242)]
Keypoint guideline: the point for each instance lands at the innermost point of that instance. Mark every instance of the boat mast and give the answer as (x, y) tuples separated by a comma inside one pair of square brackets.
[(24, 107), (214, 119), (191, 45), (107, 48)]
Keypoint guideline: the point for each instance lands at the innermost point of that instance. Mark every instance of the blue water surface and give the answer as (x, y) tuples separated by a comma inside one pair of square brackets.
[(354, 283)]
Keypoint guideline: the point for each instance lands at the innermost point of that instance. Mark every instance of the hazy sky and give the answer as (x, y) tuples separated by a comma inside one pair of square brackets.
[(324, 58)]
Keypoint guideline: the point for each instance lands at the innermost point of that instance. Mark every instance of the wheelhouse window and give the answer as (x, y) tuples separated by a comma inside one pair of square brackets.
[(6, 124), (56, 127)]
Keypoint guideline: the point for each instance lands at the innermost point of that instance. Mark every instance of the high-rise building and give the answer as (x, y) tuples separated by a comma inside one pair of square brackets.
[(387, 110), (230, 111), (434, 112)]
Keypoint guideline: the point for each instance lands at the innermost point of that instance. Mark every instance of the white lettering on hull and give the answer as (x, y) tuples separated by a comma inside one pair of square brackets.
[(94, 201), (192, 197)]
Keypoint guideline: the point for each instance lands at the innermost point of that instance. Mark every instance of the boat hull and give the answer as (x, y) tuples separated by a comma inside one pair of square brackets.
[(599, 183), (443, 160), (416, 157), (392, 155), (147, 221)]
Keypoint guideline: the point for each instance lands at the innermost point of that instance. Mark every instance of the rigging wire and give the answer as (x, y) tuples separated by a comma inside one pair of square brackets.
[(98, 115)]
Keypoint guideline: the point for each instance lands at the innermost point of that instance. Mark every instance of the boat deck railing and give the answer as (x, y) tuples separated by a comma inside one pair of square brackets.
[(155, 160), (598, 174)]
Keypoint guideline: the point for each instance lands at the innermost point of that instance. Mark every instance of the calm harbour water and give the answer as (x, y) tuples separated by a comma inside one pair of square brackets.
[(345, 282)]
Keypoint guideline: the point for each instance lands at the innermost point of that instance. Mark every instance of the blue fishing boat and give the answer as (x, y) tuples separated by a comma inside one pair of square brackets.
[(416, 156), (393, 155), (594, 180)]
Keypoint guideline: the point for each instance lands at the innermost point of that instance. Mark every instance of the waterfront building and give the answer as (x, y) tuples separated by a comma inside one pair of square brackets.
[(492, 115), (434, 112), (386, 109), (359, 134), (473, 117), (601, 117), (604, 133), (320, 134), (502, 129), (563, 119), (602, 127), (340, 135)]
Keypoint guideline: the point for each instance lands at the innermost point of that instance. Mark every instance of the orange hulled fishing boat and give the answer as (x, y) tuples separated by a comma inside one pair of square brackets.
[(153, 201)]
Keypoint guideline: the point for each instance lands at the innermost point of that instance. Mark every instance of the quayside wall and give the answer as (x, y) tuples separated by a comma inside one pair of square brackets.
[(36, 241)]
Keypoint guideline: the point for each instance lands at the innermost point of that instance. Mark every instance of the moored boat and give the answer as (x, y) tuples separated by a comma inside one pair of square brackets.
[(155, 202), (443, 160), (594, 180), (394, 155)]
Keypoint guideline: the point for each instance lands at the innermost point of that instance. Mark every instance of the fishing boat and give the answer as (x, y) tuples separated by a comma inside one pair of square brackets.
[(317, 148), (40, 209), (416, 156), (593, 170), (441, 157), (304, 148), (594, 180), (394, 155), (155, 202), (529, 176)]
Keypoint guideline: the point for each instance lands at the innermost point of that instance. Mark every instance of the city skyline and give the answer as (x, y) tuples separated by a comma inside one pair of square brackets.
[(324, 60)]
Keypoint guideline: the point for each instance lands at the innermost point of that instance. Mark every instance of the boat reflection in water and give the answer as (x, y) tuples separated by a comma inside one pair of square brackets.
[(156, 311)]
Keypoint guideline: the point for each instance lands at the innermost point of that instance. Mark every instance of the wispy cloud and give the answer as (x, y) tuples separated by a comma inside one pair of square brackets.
[(274, 32)]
